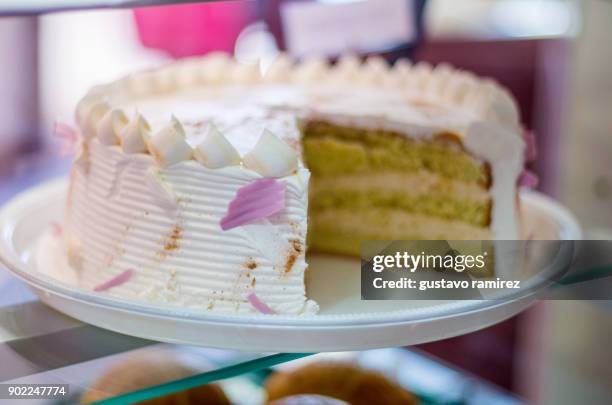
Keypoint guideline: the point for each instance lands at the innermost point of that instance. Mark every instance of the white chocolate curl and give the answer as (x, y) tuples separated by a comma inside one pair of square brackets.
[(96, 95), (110, 127), (92, 117), (169, 145), (271, 157), (134, 134), (215, 151)]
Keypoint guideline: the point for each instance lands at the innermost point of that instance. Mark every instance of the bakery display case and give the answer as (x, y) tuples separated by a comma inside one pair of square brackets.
[(118, 369), (393, 97)]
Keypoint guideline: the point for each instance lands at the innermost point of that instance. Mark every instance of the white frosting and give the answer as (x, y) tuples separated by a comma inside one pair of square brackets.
[(215, 68), (505, 153), (346, 70), (128, 199), (311, 71), (374, 71), (279, 70), (182, 257), (187, 74)]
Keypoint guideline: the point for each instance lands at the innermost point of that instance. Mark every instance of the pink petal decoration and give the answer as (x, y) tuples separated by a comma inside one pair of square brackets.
[(531, 150), (259, 199), (115, 281), (528, 179), (259, 305), (56, 229), (68, 134)]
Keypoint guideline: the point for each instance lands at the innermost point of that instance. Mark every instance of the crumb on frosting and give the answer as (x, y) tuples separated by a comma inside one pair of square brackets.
[(195, 124), (250, 264), (172, 242), (295, 250), (296, 245)]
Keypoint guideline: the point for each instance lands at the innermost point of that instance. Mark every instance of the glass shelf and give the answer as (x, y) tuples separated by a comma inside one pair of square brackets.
[(431, 381), (234, 370)]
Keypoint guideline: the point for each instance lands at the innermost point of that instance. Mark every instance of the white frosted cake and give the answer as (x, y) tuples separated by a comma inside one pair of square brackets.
[(202, 184)]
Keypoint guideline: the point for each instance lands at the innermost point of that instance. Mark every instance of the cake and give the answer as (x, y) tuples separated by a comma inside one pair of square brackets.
[(203, 183), (343, 381)]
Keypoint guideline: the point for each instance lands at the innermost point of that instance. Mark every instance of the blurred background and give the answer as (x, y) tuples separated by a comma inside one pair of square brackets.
[(554, 56)]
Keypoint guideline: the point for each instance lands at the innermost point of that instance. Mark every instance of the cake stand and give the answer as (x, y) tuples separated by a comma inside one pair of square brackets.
[(344, 323)]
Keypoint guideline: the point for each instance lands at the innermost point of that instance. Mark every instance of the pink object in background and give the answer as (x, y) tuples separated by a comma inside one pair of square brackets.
[(194, 29)]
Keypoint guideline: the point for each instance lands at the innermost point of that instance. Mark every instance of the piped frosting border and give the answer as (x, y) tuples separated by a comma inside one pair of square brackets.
[(443, 85)]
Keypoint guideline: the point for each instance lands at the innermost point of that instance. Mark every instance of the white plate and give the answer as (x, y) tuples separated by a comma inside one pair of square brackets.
[(345, 322)]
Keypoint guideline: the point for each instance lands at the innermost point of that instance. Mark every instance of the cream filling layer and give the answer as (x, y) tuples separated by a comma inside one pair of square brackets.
[(127, 213), (414, 184), (390, 224), (500, 146)]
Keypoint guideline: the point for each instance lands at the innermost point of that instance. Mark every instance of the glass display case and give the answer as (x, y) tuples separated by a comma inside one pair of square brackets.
[(549, 56)]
